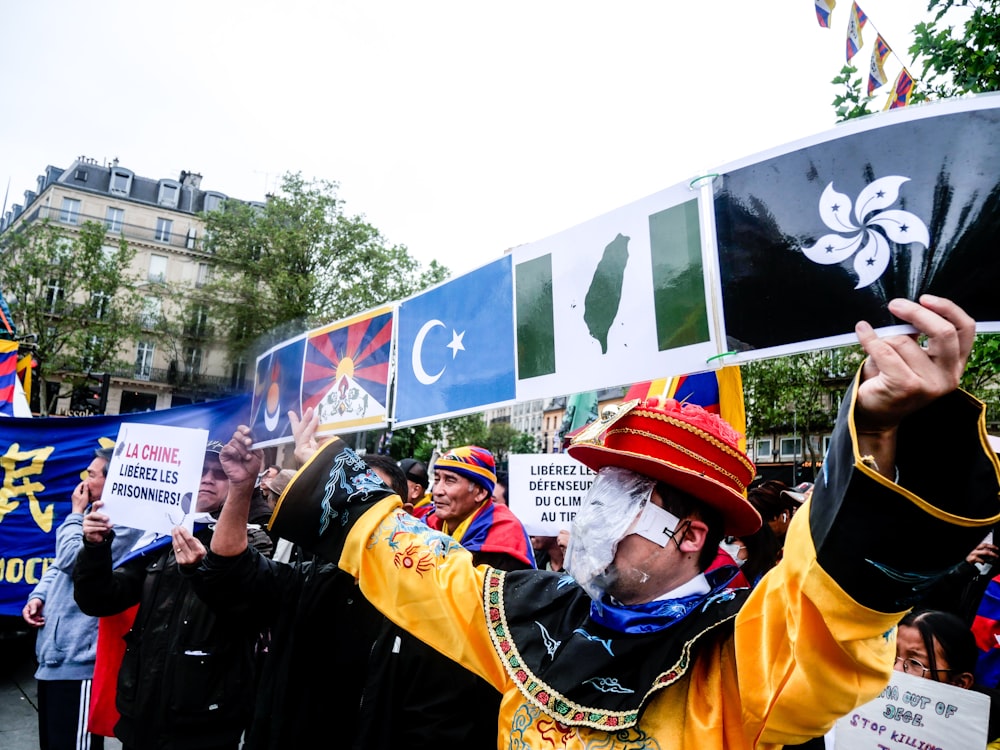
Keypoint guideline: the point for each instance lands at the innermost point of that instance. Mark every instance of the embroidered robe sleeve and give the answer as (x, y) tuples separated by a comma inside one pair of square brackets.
[(817, 636), (426, 583)]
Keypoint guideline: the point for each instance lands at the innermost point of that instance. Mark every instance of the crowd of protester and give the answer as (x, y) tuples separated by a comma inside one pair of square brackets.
[(382, 603)]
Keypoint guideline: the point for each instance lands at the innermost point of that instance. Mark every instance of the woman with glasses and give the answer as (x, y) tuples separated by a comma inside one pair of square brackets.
[(938, 646)]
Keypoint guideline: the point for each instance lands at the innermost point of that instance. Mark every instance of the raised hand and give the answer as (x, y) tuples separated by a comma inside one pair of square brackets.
[(188, 549), (304, 432), (900, 375), (96, 525), (239, 461)]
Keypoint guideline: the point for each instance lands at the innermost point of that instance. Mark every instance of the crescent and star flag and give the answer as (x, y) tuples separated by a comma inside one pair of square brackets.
[(855, 22), (8, 376), (716, 391), (823, 10), (901, 90), (346, 373), (876, 76), (456, 346), (897, 204)]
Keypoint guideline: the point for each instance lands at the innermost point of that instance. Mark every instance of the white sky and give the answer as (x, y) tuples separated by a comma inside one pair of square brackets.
[(459, 129)]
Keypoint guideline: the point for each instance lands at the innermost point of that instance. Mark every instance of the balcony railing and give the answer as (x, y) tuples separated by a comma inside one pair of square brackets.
[(177, 239)]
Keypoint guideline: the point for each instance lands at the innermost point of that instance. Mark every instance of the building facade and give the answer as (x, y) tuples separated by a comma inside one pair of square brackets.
[(160, 219)]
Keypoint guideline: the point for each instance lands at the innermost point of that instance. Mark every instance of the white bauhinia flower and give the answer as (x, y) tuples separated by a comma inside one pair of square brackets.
[(866, 232)]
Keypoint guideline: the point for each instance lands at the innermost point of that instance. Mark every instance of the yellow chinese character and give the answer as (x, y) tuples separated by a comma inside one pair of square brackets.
[(17, 483)]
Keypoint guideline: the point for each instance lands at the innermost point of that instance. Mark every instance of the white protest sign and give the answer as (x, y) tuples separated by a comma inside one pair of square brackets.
[(154, 475), (546, 490), (913, 712)]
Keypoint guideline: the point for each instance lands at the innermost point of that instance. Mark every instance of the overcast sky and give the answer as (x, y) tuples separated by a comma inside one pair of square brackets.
[(459, 129)]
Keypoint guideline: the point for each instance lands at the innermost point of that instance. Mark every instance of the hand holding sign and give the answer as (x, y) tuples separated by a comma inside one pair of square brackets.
[(239, 461)]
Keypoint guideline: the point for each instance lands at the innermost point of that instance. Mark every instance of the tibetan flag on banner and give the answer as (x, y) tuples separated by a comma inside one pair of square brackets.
[(717, 391), (876, 76), (345, 377), (855, 23), (823, 10), (901, 91), (8, 376), (455, 346)]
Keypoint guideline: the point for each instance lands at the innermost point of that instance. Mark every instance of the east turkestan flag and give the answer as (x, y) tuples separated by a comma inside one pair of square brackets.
[(456, 346)]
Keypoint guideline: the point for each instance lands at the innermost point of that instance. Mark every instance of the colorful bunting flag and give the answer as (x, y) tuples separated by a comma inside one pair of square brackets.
[(717, 391), (823, 10), (901, 91), (876, 76), (855, 23), (8, 376)]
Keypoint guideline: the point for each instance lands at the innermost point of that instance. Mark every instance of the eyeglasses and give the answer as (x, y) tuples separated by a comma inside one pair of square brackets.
[(914, 667), (217, 473)]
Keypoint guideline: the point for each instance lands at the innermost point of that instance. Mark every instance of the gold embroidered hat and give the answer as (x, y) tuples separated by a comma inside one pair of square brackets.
[(682, 445)]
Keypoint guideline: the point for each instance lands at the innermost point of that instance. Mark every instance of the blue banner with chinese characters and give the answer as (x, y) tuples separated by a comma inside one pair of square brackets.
[(42, 460)]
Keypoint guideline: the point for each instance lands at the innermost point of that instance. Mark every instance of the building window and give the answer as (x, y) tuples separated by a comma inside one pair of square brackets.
[(121, 182), (163, 228), (204, 274), (169, 192), (114, 219), (238, 373), (213, 201), (143, 360), (99, 304), (91, 351), (54, 294), (198, 325), (151, 310), (157, 269), (192, 359), (70, 213), (192, 236), (763, 449), (791, 447)]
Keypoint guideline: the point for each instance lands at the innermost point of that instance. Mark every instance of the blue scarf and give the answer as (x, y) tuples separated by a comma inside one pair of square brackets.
[(662, 613)]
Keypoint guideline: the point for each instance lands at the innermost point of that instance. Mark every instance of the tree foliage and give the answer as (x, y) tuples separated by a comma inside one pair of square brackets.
[(798, 394), (73, 291), (298, 261)]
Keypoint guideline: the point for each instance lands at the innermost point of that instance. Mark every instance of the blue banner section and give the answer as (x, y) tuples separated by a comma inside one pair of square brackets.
[(456, 345), (42, 460)]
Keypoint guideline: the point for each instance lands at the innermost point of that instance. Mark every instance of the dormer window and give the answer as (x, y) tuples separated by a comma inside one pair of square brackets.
[(169, 193), (213, 201), (121, 181)]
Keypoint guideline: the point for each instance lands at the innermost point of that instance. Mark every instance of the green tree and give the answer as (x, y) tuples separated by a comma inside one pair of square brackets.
[(73, 291), (798, 394), (298, 261)]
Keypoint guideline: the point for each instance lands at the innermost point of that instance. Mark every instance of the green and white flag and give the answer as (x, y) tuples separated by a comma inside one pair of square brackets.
[(617, 299)]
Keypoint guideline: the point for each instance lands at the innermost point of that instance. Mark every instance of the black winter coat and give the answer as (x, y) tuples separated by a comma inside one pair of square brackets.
[(187, 677)]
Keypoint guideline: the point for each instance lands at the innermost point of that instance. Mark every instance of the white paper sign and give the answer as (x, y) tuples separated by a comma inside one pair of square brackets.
[(546, 490), (154, 475), (913, 712)]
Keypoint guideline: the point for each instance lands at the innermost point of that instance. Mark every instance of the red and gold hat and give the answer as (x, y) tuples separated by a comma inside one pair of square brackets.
[(680, 444)]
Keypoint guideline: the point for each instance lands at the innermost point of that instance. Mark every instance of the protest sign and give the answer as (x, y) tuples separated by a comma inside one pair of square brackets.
[(916, 713), (546, 490), (154, 475)]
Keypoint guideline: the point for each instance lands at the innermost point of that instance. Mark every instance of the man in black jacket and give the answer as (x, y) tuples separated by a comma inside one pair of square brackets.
[(186, 679)]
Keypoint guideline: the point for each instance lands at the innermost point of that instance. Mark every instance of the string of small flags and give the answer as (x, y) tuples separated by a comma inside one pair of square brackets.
[(903, 87)]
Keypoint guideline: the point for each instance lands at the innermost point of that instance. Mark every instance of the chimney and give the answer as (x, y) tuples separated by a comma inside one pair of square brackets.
[(191, 179)]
